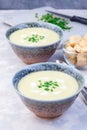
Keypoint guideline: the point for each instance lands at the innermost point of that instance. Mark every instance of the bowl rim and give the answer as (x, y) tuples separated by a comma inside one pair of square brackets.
[(54, 100), (36, 22)]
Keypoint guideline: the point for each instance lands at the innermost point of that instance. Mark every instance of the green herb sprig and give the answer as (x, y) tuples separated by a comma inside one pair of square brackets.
[(50, 18), (34, 38), (48, 85)]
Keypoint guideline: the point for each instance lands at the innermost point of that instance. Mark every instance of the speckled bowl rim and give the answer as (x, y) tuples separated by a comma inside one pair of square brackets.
[(40, 23), (48, 101)]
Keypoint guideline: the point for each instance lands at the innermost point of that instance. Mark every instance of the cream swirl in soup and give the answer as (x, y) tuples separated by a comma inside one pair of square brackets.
[(48, 85), (35, 36)]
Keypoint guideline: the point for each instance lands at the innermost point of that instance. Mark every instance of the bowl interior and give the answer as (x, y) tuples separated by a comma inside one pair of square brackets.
[(35, 24), (49, 66)]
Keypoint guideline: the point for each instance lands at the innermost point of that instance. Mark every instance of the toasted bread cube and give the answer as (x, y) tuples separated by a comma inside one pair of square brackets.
[(72, 56), (84, 50), (83, 43), (85, 36), (85, 54), (71, 49), (77, 48), (72, 60), (81, 60), (72, 44), (67, 44), (75, 39)]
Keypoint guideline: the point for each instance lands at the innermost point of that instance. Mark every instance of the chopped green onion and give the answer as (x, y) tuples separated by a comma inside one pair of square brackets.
[(48, 85), (34, 38), (62, 23)]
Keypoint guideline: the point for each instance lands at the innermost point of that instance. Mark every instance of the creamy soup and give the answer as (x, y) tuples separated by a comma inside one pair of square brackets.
[(48, 85), (34, 36)]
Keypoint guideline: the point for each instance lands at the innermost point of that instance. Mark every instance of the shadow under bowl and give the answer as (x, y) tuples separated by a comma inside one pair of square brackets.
[(46, 108), (34, 54)]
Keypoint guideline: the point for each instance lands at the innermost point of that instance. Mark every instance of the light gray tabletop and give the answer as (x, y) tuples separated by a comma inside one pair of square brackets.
[(13, 114)]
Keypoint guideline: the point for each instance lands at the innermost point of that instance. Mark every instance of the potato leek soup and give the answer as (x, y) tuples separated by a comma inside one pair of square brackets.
[(34, 36), (48, 85)]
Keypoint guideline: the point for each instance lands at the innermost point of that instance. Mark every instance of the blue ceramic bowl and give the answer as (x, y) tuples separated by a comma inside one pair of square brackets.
[(34, 54), (53, 108)]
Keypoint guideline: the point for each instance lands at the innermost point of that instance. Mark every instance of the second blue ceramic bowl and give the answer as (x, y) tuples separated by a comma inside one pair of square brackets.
[(46, 108)]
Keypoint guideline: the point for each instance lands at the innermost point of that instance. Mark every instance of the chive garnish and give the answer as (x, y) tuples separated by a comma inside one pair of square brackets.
[(34, 38), (48, 85), (50, 18)]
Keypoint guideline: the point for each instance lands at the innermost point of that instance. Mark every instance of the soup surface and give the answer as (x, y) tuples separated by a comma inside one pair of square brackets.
[(48, 85), (34, 37)]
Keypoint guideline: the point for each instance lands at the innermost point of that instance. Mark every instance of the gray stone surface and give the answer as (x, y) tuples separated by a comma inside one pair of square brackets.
[(30, 4)]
